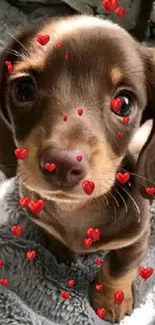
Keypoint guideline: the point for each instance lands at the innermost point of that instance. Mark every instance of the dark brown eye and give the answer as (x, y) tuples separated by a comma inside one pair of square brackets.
[(25, 90), (122, 105)]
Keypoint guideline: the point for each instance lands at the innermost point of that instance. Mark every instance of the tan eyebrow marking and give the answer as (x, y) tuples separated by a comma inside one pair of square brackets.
[(116, 75)]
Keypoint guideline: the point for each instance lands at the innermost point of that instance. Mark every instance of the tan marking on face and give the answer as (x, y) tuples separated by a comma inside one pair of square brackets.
[(116, 75)]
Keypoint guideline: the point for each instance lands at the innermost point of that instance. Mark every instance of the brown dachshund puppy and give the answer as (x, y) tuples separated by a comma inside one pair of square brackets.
[(85, 65)]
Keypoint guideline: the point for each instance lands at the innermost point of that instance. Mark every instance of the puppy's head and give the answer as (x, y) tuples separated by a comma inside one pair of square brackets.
[(86, 64)]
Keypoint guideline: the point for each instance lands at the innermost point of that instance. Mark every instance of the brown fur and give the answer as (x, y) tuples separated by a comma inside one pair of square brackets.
[(101, 59)]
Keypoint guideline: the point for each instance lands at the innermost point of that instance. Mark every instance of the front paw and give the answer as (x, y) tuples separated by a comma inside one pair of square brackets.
[(105, 299)]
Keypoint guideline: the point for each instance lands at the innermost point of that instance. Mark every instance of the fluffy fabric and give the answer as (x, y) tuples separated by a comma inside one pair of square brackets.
[(32, 295)]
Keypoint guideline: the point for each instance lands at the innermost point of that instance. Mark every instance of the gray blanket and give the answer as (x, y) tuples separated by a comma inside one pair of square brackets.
[(32, 295)]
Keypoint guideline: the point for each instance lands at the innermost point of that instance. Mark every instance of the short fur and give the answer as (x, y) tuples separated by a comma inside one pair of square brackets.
[(102, 58)]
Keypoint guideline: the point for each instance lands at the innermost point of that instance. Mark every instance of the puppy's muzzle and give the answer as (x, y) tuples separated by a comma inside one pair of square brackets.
[(68, 172)]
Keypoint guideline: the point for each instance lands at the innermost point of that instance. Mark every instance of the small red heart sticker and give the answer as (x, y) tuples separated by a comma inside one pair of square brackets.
[(1, 263), (36, 205), (66, 57), (116, 104), (145, 273), (71, 283), (21, 153), (79, 158), (50, 167), (80, 111), (31, 255), (10, 68), (121, 134), (110, 5), (101, 312), (59, 45), (23, 201), (65, 118), (99, 287), (94, 234), (98, 261), (120, 12), (17, 230), (150, 191), (65, 294), (123, 177), (87, 242), (4, 282), (7, 63), (126, 119), (43, 39), (119, 297), (88, 187)]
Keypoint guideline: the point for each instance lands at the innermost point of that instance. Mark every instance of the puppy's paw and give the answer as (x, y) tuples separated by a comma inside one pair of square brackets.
[(105, 299)]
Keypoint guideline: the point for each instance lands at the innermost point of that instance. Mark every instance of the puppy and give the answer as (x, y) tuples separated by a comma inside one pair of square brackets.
[(86, 64)]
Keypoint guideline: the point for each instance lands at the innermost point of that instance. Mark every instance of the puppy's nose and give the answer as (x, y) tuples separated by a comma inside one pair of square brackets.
[(69, 171)]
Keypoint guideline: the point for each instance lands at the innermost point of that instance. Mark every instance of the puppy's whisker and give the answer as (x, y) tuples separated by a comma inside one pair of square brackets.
[(104, 197), (114, 199), (13, 37), (126, 207), (132, 199)]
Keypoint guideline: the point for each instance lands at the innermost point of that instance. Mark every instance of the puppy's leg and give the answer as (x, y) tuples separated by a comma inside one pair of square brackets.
[(118, 272)]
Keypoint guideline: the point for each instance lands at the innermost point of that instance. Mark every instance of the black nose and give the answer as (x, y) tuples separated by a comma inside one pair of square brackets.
[(68, 172)]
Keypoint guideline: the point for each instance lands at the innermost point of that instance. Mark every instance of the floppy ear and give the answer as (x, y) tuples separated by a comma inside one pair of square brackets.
[(146, 160), (8, 161)]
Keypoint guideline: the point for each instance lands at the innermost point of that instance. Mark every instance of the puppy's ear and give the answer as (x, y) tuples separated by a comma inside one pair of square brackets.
[(146, 160), (8, 161)]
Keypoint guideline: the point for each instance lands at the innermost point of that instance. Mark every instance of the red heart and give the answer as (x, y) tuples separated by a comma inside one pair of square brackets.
[(101, 312), (110, 5), (50, 167), (145, 273), (7, 63), (71, 283), (123, 177), (120, 12), (116, 104), (36, 205), (10, 68), (59, 45), (87, 242), (65, 118), (79, 158), (21, 153), (23, 201), (150, 190), (43, 39), (65, 294), (121, 134), (119, 297), (1, 263), (88, 187), (4, 282), (17, 230), (66, 57), (80, 111), (98, 261), (126, 119), (94, 234), (31, 255), (99, 287)]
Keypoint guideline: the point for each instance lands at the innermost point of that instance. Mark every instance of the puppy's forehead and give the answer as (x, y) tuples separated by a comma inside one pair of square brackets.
[(99, 40)]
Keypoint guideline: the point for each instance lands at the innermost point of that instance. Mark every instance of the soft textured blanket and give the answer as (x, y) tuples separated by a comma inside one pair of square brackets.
[(32, 295)]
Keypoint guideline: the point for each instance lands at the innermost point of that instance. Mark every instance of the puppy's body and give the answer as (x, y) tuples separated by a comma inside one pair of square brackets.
[(104, 63)]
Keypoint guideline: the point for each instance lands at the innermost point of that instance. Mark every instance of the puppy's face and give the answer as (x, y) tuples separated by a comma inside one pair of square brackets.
[(103, 63)]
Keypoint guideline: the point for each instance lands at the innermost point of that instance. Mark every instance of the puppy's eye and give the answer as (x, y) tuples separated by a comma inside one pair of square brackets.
[(122, 104), (25, 89)]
